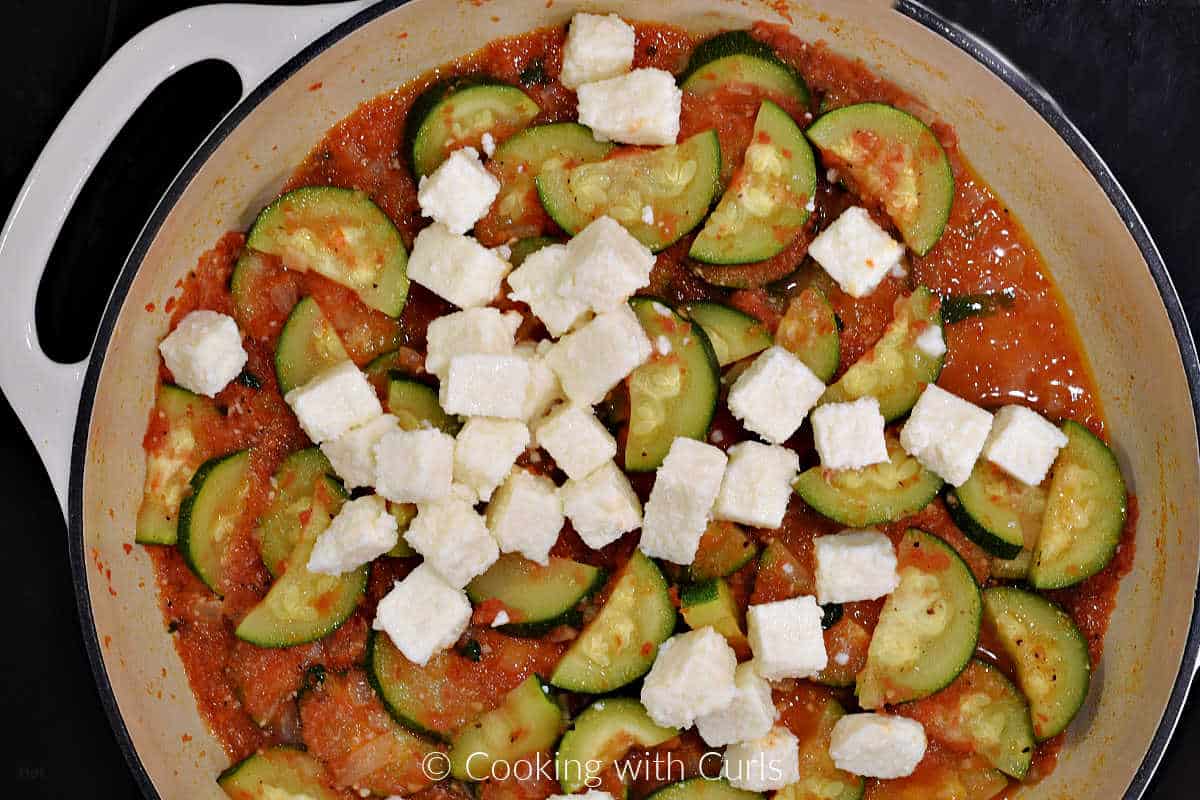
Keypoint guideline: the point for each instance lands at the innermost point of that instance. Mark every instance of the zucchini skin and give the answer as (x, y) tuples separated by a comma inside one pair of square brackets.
[(189, 538), (976, 532), (732, 44), (623, 720)]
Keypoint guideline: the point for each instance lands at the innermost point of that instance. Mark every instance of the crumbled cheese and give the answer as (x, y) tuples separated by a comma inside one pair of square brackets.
[(536, 283), (946, 434), (204, 352), (648, 215), (757, 484), (576, 440), (361, 532), (422, 614), (485, 451), (544, 389), (334, 401), (474, 331), (930, 341), (849, 435), (501, 618), (787, 638), (459, 192), (605, 266), (602, 506), (598, 356), (854, 565), (641, 107), (680, 503), (488, 143), (877, 745), (455, 267), (352, 454), (692, 675), (749, 715), (526, 515), (597, 47), (1024, 444), (764, 764), (774, 394), (414, 466), (453, 538), (856, 252), (486, 386)]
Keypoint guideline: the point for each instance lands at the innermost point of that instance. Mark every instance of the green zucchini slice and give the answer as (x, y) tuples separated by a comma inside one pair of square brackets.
[(293, 485), (996, 511), (809, 330), (703, 789), (601, 735), (1011, 569), (733, 334), (537, 598), (528, 721), (712, 604), (735, 59), (724, 549), (524, 248), (244, 285), (416, 405), (457, 113), (307, 346), (209, 515), (278, 772), (810, 713)]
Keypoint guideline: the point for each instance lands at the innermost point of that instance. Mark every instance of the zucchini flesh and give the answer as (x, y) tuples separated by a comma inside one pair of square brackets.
[(711, 604), (528, 721), (620, 644), (342, 235), (404, 514), (1011, 569), (172, 461), (996, 511), (294, 484), (674, 393), (724, 549), (537, 598), (766, 204), (894, 159), (944, 775), (677, 182), (736, 59), (703, 789), (810, 713), (895, 370), (928, 628), (211, 513), (1048, 652), (733, 334), (601, 736), (809, 330), (457, 113), (278, 772), (308, 345), (416, 405), (245, 285), (884, 492), (1085, 512)]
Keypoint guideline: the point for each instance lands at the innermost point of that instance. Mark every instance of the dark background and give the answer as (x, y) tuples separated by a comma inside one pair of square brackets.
[(1126, 71)]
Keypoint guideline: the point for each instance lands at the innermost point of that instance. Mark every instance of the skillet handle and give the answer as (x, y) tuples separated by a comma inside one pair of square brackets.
[(255, 40)]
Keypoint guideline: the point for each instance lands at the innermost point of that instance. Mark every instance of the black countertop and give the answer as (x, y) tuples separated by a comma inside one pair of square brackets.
[(1127, 73)]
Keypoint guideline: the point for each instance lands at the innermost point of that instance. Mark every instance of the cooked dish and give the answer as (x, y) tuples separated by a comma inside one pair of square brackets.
[(618, 411)]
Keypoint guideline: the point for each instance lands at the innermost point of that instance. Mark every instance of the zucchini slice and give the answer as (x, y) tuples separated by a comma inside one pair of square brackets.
[(733, 334), (601, 735), (307, 346), (245, 285), (703, 789), (859, 498), (1011, 569), (996, 511), (894, 159), (457, 113), (528, 721), (209, 515), (724, 549), (620, 644), (944, 775), (677, 183), (810, 713), (675, 392), (416, 405), (342, 235), (1048, 652), (278, 772), (293, 485), (1085, 512), (847, 636), (928, 628), (809, 330), (895, 370), (711, 604), (766, 203), (536, 598), (172, 460), (736, 59)]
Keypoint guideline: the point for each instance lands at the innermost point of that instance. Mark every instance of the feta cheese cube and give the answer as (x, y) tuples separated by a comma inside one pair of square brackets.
[(422, 614), (455, 267), (750, 714), (544, 389), (946, 434), (605, 266), (576, 440), (474, 331), (759, 765), (353, 453), (786, 638), (599, 355), (536, 283), (526, 516), (677, 512), (930, 341), (486, 386), (361, 532), (877, 745), (204, 352), (414, 466), (459, 192), (692, 675), (602, 506), (849, 435), (453, 538), (774, 394), (485, 451), (757, 484), (854, 565), (640, 107), (857, 253), (1024, 444), (597, 47), (334, 401)]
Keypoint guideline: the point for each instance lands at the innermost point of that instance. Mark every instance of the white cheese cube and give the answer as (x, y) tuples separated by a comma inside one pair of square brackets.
[(526, 515), (854, 565), (486, 450), (536, 283), (749, 715), (576, 440), (486, 386), (453, 538), (599, 355), (333, 402), (757, 484), (692, 675), (1024, 444), (857, 253), (455, 267), (361, 532), (680, 503), (849, 435), (877, 745), (459, 192), (640, 107), (474, 331), (786, 638), (760, 765), (423, 614), (353, 453), (414, 466), (602, 506), (544, 389), (931, 342), (597, 47), (204, 352), (774, 394), (946, 434), (605, 266)]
